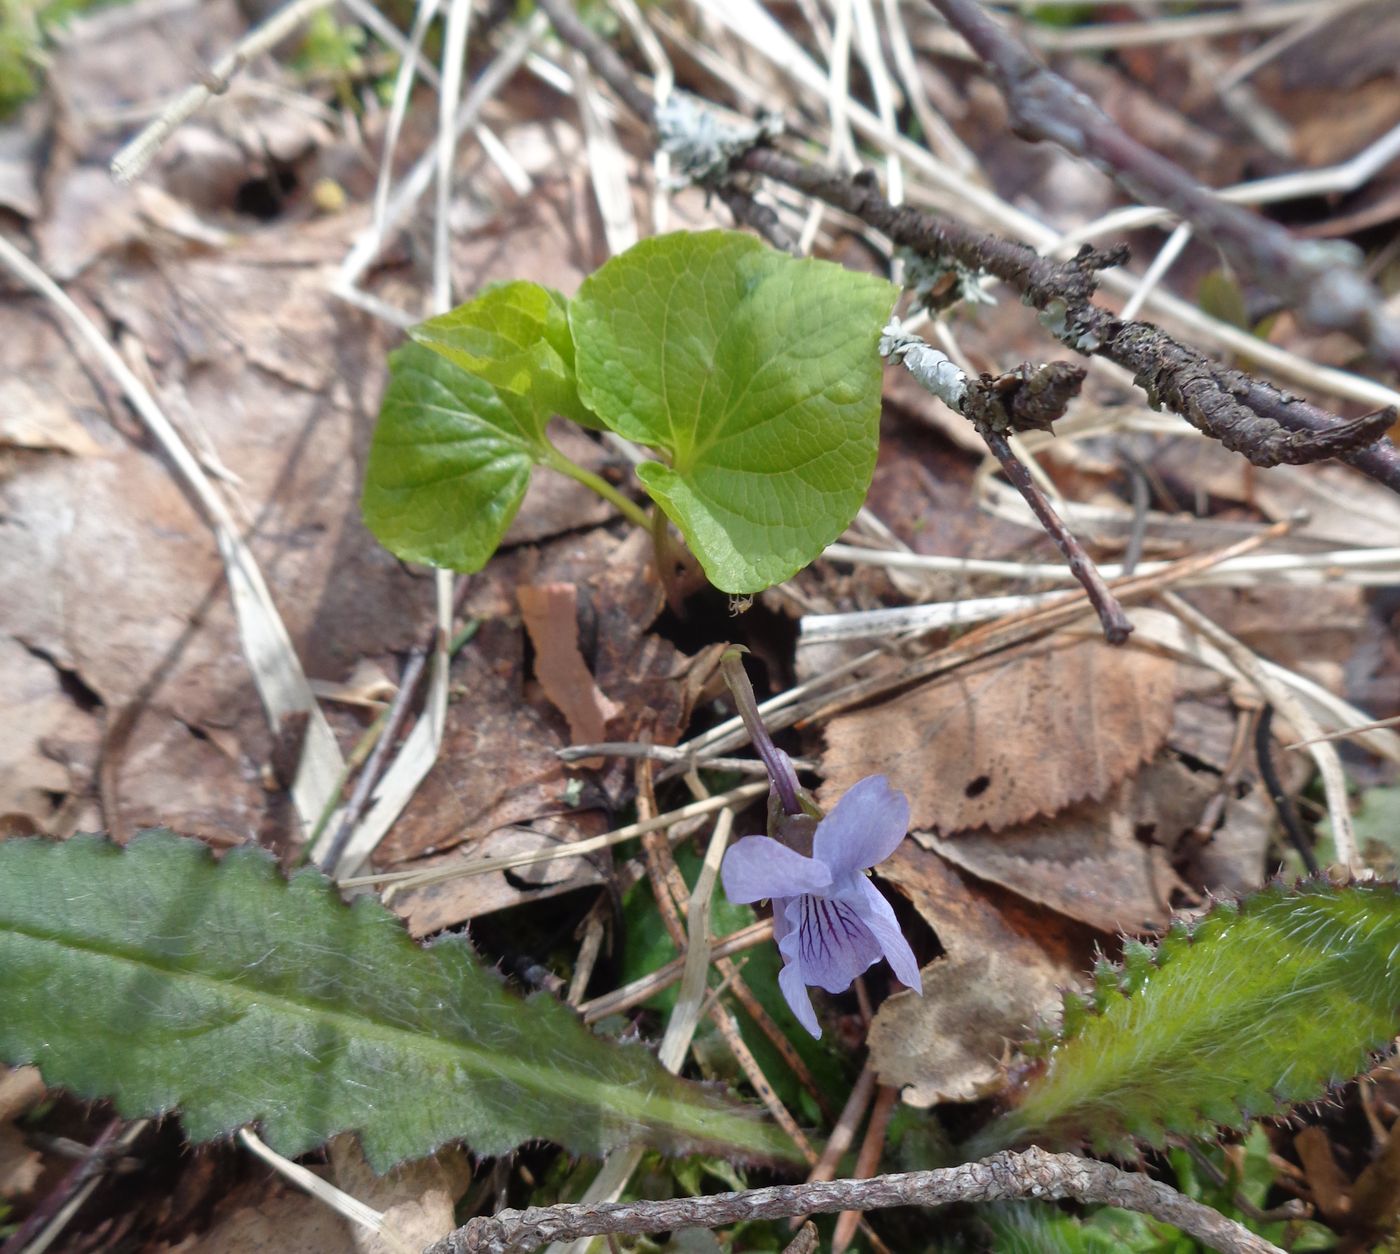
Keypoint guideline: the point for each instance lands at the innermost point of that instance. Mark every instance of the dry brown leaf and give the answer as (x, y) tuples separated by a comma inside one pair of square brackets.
[(20, 1088), (550, 611), (437, 906), (416, 1199), (498, 768), (23, 143), (44, 736), (497, 765), (283, 1219), (1011, 737), (20, 1167), (113, 574), (1232, 860), (34, 418), (1105, 863), (1003, 969)]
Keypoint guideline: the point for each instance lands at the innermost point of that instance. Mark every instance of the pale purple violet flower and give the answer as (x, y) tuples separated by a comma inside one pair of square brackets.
[(829, 920)]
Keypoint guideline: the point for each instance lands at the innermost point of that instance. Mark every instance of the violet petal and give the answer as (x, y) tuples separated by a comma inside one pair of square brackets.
[(798, 998), (833, 943), (863, 828), (880, 919), (758, 867), (781, 927)]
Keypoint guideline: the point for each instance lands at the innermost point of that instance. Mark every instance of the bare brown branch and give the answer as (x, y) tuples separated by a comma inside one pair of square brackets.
[(1247, 415), (1031, 1173)]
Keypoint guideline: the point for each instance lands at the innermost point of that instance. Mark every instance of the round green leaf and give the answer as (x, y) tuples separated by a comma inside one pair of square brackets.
[(757, 375), (515, 335), (450, 461)]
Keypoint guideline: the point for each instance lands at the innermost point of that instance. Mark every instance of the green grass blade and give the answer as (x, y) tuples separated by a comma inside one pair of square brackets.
[(168, 981)]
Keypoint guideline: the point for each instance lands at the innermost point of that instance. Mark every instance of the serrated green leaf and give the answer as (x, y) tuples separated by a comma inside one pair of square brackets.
[(164, 980), (450, 461), (1257, 1007), (756, 374), (515, 335)]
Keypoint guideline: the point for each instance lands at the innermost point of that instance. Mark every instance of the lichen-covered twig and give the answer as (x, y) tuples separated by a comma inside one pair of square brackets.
[(1320, 280), (1031, 1173), (1247, 415), (1028, 398)]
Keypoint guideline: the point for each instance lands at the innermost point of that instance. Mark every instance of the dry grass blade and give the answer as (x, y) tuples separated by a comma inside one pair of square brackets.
[(620, 1000), (572, 849), (1324, 753), (132, 160)]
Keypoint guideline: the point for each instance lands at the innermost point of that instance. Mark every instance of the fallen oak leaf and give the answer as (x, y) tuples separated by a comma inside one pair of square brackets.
[(1105, 863), (1011, 737)]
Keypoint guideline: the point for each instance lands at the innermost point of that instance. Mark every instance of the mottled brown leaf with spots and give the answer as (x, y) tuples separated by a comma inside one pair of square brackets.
[(1018, 735)]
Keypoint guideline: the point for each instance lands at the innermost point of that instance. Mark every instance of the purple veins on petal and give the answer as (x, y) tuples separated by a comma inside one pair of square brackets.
[(833, 943), (830, 922)]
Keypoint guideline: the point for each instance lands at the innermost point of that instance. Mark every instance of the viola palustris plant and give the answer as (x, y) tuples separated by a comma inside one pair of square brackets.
[(831, 923)]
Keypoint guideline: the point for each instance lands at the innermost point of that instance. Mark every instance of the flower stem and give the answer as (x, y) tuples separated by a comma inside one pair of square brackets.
[(629, 509), (779, 768)]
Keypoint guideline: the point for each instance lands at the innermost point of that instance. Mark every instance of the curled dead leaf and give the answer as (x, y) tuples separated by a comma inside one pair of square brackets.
[(550, 611), (1003, 970)]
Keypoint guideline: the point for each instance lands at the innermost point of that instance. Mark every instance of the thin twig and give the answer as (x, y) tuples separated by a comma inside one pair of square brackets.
[(1324, 753), (843, 1133), (1247, 415), (47, 1220), (646, 986), (1116, 627), (867, 1161), (671, 756), (1028, 398), (131, 161), (1283, 803), (1030, 1173), (570, 849), (728, 1028), (805, 1242), (364, 785)]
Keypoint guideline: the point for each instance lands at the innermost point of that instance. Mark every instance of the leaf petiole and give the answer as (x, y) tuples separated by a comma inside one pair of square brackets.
[(630, 510)]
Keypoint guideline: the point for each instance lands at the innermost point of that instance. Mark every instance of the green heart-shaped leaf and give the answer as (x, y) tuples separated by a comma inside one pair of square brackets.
[(757, 374), (515, 335), (450, 461)]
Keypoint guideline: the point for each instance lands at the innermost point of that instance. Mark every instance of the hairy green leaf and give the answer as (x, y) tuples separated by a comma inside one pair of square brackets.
[(515, 335), (756, 374), (165, 980), (1256, 1007), (450, 461)]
